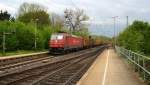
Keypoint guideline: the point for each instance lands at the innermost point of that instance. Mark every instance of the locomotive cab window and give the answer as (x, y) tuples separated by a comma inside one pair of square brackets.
[(56, 37)]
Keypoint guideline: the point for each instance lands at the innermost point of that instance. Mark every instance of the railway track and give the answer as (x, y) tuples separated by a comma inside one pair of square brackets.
[(39, 71), (22, 61), (67, 75), (8, 62)]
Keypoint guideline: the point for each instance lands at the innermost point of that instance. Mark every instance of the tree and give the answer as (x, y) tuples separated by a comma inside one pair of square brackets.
[(12, 19), (56, 20), (26, 8), (33, 13), (136, 37), (4, 15), (74, 18)]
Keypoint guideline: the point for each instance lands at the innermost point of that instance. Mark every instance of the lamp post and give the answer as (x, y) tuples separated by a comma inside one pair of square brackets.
[(35, 34), (127, 20), (114, 20)]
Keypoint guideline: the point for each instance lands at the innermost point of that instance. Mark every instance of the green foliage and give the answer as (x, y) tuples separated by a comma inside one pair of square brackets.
[(136, 37), (19, 40), (82, 32), (24, 36), (11, 42), (41, 18), (33, 13)]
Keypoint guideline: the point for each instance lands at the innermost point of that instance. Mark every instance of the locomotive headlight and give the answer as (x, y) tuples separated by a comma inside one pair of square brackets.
[(56, 41)]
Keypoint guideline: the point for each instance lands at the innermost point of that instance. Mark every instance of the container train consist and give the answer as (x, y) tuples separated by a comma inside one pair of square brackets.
[(62, 42)]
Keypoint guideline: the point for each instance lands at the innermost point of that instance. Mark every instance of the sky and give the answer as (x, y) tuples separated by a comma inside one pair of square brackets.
[(99, 11)]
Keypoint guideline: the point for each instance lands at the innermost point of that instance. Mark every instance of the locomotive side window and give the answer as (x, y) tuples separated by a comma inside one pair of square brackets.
[(56, 37)]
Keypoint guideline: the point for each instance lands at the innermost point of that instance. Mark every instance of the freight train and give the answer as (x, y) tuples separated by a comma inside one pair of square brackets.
[(64, 42)]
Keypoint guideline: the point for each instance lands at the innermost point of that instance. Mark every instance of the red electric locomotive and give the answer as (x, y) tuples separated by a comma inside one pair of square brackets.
[(61, 42)]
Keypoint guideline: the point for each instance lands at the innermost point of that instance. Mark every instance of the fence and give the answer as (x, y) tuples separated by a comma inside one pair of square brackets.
[(140, 63)]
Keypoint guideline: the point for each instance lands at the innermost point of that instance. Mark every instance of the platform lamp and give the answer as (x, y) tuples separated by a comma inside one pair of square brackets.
[(114, 21), (35, 34)]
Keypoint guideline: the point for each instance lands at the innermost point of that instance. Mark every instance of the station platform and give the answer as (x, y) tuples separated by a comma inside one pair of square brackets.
[(21, 55), (110, 69)]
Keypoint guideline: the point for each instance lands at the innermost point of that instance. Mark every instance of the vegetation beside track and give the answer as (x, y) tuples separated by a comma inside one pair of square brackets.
[(136, 37), (33, 23)]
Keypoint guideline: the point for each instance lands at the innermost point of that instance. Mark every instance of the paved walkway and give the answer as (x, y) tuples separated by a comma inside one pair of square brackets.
[(109, 69)]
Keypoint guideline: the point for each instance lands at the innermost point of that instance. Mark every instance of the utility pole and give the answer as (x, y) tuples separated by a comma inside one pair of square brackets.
[(52, 18), (114, 20)]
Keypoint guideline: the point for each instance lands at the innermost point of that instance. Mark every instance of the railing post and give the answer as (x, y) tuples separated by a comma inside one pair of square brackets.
[(134, 64), (144, 71), (138, 63), (128, 53)]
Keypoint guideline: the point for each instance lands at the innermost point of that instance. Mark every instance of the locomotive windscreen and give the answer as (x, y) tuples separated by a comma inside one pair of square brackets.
[(56, 37)]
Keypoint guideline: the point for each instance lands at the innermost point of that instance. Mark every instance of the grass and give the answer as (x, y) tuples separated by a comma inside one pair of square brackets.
[(18, 52)]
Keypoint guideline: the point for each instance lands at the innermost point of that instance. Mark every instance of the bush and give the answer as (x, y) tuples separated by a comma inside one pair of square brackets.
[(24, 36), (136, 37), (21, 39)]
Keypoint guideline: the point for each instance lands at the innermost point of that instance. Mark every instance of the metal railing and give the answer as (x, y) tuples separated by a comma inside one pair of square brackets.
[(140, 63)]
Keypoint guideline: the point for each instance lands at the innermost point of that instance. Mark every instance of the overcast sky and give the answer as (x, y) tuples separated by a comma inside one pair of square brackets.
[(99, 11)]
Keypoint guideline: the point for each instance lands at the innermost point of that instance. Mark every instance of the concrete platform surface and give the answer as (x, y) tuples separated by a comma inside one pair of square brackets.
[(21, 55), (109, 69)]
